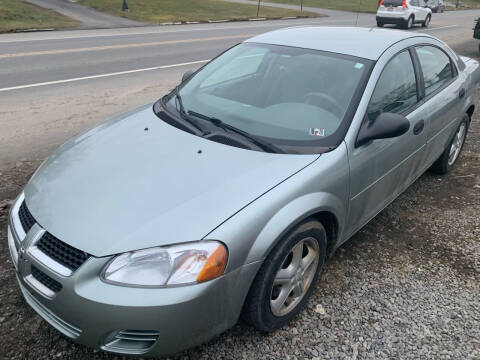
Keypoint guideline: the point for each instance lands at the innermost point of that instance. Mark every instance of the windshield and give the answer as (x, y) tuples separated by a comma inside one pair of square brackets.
[(279, 93)]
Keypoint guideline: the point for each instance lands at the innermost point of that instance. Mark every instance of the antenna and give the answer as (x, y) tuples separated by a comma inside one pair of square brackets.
[(358, 12)]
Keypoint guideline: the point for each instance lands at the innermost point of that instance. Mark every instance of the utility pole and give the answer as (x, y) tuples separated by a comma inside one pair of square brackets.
[(301, 5), (124, 5), (258, 8), (457, 4)]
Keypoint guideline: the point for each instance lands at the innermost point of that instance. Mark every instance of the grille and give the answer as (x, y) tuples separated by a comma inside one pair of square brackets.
[(26, 217), (46, 280), (62, 253)]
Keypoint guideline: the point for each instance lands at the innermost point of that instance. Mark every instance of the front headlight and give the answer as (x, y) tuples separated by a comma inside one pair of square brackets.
[(170, 265)]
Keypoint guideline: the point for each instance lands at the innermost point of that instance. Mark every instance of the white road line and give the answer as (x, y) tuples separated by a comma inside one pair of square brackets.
[(101, 75), (438, 28)]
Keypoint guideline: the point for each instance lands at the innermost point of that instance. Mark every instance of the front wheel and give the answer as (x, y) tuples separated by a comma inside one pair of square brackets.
[(450, 156), (379, 24), (427, 21), (287, 277)]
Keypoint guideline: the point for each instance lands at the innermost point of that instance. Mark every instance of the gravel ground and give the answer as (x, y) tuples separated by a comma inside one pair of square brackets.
[(407, 286)]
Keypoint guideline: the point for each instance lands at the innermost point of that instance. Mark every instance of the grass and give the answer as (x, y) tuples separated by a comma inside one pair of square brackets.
[(346, 5), (163, 11), (16, 15), (465, 4)]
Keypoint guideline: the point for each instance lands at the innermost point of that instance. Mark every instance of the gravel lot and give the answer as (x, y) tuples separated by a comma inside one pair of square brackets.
[(407, 286)]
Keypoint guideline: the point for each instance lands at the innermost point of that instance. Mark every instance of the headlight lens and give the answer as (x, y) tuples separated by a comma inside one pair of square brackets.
[(173, 265)]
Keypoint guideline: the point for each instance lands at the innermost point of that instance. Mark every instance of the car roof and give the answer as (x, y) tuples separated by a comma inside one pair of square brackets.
[(368, 43)]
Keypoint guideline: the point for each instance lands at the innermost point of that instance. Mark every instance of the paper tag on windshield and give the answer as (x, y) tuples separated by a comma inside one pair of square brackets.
[(317, 132)]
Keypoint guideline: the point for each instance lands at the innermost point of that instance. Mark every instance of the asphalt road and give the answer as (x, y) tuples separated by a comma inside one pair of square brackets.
[(55, 84)]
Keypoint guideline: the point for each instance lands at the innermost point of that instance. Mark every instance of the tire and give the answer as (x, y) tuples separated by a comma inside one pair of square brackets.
[(380, 24), (265, 307), (408, 24), (426, 21), (448, 159)]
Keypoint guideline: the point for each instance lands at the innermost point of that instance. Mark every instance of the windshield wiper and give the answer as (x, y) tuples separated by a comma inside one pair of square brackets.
[(183, 113), (219, 123)]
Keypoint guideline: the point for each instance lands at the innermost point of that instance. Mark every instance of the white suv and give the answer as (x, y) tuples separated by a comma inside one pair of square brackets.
[(404, 13)]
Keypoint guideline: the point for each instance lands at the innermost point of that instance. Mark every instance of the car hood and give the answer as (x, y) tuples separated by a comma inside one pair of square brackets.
[(135, 182)]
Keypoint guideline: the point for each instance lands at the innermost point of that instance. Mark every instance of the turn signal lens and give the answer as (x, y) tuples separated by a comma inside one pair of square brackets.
[(215, 265)]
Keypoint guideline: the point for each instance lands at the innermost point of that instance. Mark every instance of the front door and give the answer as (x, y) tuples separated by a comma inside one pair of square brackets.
[(382, 169)]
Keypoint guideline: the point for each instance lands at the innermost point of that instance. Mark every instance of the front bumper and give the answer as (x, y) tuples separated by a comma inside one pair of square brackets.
[(93, 313), (156, 322)]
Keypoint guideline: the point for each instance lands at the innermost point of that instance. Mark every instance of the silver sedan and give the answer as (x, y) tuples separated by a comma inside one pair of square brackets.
[(154, 231)]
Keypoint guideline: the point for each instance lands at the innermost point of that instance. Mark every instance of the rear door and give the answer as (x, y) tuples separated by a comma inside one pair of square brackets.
[(443, 90), (419, 10)]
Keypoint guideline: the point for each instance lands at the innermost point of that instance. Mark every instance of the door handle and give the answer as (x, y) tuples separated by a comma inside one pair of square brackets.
[(418, 128), (461, 93)]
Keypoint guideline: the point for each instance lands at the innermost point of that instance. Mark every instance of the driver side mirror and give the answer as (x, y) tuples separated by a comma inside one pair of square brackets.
[(187, 75), (385, 126)]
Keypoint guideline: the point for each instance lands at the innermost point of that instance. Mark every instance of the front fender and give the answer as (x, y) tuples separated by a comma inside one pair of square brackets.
[(290, 215), (322, 186)]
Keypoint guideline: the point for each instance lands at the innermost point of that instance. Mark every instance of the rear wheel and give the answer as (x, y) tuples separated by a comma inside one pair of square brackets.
[(287, 277), (409, 23), (427, 21), (450, 156)]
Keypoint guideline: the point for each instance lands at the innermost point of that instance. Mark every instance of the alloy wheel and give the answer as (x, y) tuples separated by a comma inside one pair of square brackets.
[(457, 144), (294, 277)]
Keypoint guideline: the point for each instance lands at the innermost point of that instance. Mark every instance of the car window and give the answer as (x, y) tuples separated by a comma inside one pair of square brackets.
[(415, 3), (436, 67), (278, 92), (396, 90), (392, 3)]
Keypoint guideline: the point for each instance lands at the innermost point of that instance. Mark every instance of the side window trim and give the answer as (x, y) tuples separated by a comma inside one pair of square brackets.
[(418, 74), (444, 86)]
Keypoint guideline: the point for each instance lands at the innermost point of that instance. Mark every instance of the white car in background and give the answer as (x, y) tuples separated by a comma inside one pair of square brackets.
[(404, 13)]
